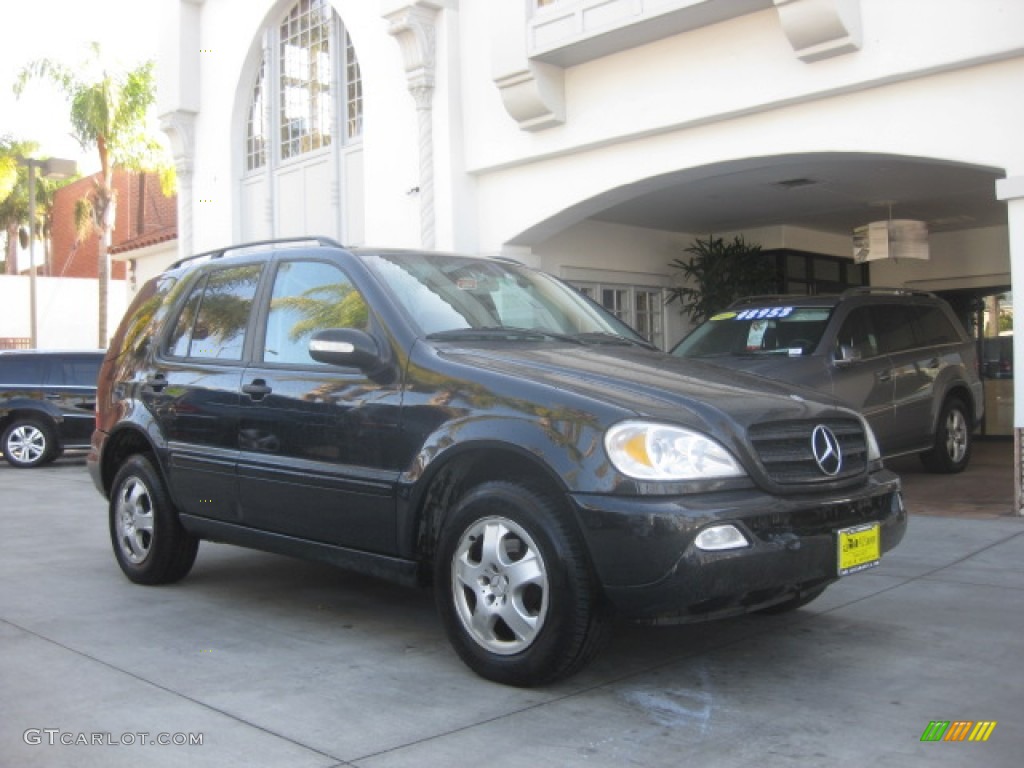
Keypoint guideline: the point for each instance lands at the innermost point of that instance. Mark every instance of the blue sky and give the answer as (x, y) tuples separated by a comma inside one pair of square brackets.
[(128, 30)]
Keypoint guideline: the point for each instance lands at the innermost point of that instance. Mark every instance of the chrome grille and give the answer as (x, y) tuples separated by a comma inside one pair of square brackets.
[(785, 450)]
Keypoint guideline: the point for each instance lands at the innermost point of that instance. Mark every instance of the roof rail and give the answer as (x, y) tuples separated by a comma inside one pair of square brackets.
[(745, 300), (325, 242), (881, 290)]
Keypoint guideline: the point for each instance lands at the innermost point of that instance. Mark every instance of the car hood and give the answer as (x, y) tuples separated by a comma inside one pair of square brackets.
[(646, 383)]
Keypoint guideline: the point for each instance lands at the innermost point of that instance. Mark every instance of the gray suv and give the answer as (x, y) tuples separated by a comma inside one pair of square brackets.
[(900, 357)]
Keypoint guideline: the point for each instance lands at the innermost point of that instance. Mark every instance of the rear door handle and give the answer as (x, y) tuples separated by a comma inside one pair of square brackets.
[(257, 390), (156, 381), (885, 375)]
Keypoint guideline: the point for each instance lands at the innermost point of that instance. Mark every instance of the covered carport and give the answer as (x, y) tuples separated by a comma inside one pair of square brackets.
[(812, 203)]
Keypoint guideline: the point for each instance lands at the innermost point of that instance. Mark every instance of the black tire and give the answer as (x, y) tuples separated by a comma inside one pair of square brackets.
[(795, 603), (149, 542), (522, 563), (29, 441), (953, 440)]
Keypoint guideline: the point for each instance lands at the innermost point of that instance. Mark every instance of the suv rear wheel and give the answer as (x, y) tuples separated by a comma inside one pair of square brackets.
[(514, 589), (953, 441), (28, 442), (149, 542)]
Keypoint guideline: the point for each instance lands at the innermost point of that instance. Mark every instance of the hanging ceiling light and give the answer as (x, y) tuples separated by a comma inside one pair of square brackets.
[(890, 239)]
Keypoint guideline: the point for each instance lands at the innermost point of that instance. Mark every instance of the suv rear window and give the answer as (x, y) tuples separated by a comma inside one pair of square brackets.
[(933, 327)]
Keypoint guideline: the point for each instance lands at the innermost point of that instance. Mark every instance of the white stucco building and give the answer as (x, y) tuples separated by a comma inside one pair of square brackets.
[(597, 138)]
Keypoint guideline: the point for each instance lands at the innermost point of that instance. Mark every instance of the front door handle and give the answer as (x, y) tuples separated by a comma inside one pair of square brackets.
[(885, 376), (257, 390), (156, 381)]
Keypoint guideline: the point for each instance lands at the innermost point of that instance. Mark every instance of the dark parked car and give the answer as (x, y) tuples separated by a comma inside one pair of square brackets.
[(47, 403), (900, 357), (481, 426)]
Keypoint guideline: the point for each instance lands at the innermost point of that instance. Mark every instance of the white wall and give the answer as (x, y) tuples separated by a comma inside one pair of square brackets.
[(617, 254), (66, 310)]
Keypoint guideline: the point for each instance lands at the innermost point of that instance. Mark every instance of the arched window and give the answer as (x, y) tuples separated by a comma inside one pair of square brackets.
[(303, 127)]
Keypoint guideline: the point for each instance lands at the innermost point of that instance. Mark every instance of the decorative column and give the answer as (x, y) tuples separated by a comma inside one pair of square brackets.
[(414, 25), (178, 100), (1011, 190), (180, 129)]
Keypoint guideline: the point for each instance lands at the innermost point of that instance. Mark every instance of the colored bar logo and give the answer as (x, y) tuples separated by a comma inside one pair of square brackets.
[(959, 730)]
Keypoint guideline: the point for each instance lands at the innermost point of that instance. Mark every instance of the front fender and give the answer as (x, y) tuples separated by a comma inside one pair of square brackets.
[(571, 451)]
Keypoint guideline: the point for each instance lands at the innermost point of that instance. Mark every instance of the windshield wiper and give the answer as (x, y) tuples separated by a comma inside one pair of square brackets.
[(600, 337), (510, 333)]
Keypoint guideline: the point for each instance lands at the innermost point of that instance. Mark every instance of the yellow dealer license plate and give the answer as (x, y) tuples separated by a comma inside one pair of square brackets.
[(859, 548)]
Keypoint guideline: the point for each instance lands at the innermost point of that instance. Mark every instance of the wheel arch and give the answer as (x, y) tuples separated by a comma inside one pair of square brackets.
[(460, 469), (956, 391), (24, 407), (119, 445)]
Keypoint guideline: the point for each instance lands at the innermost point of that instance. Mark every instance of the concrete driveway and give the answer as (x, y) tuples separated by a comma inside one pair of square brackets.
[(273, 662)]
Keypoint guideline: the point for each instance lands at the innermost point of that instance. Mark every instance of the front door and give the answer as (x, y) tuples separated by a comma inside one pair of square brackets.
[(866, 382), (317, 442)]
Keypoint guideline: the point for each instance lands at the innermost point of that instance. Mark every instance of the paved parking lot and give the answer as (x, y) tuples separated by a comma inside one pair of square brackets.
[(275, 662)]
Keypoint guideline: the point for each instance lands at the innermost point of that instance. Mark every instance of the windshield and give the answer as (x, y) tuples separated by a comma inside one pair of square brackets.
[(789, 331), (452, 296)]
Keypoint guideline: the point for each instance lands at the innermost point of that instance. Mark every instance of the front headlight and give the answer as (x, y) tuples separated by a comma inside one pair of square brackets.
[(874, 453), (648, 451)]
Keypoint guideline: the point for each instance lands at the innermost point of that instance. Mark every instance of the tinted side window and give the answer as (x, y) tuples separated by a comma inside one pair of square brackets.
[(309, 296), (81, 371), (20, 370), (933, 327), (213, 322), (858, 333), (894, 324)]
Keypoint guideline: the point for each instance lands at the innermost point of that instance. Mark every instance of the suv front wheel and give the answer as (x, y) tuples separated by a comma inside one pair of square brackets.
[(149, 542), (953, 440), (514, 588)]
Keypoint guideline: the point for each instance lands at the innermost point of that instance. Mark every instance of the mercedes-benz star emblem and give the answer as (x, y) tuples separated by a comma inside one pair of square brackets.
[(826, 450)]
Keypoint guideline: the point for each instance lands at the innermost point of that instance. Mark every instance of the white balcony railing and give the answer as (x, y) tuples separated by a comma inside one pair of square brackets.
[(569, 32)]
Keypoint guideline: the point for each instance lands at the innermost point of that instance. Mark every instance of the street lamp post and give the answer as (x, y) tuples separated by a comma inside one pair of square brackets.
[(51, 168)]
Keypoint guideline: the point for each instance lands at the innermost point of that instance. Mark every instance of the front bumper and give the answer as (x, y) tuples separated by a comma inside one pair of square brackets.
[(644, 554)]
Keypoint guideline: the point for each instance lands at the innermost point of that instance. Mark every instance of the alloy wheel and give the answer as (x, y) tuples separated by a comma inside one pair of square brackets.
[(134, 520), (500, 585)]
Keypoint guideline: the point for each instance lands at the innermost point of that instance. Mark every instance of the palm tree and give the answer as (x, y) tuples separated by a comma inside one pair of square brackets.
[(13, 195), (108, 113)]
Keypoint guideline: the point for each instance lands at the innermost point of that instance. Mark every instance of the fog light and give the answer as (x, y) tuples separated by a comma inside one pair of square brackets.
[(721, 537)]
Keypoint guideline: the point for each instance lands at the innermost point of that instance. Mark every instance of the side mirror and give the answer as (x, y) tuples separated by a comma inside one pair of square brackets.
[(347, 347), (846, 355)]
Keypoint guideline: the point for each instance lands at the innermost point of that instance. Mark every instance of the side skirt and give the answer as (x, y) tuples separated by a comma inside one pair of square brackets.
[(397, 570)]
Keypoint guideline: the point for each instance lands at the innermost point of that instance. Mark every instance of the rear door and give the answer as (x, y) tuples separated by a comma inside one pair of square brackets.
[(71, 386), (193, 390), (319, 443), (934, 357), (913, 375)]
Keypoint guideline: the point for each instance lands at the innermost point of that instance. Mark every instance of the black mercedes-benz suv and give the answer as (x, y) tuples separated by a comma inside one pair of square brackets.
[(480, 426)]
